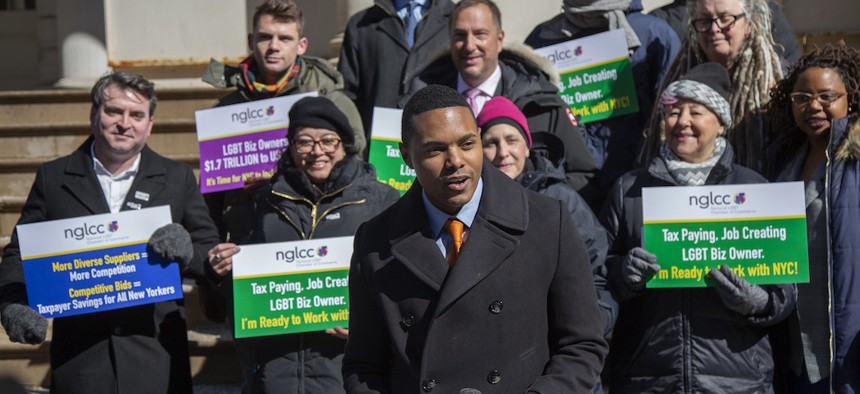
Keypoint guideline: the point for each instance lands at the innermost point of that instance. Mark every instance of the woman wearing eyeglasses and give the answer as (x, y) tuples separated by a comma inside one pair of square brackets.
[(737, 35), (321, 189), (815, 109)]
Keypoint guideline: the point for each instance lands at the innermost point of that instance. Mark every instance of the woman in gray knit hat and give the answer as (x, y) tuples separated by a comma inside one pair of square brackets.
[(687, 340)]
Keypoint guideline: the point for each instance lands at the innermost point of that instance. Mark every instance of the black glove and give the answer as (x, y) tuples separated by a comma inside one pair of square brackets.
[(172, 243), (23, 324), (738, 294), (637, 267)]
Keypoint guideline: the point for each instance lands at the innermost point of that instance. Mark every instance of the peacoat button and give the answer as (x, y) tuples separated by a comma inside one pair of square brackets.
[(494, 377), (428, 385), (407, 320), (496, 307)]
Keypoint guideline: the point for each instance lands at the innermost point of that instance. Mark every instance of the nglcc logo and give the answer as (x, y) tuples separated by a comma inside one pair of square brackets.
[(79, 233), (291, 255), (249, 114), (707, 200)]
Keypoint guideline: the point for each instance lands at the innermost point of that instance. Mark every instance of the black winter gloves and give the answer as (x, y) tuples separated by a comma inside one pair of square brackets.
[(738, 294), (172, 243), (23, 324), (637, 267)]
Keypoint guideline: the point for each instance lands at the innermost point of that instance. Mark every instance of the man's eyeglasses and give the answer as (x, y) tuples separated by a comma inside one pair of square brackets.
[(723, 22), (825, 99), (306, 145)]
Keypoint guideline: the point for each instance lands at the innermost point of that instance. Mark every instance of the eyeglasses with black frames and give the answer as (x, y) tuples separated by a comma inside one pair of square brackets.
[(801, 99), (306, 145), (723, 22)]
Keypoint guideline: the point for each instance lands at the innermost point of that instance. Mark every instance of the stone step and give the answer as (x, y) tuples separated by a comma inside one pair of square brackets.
[(212, 357), (23, 148), (34, 144), (73, 105), (212, 354)]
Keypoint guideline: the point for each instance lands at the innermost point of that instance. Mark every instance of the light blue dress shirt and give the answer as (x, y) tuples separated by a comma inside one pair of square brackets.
[(402, 8), (436, 218)]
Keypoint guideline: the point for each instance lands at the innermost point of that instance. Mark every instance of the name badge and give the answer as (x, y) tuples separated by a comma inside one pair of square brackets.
[(141, 195), (133, 205)]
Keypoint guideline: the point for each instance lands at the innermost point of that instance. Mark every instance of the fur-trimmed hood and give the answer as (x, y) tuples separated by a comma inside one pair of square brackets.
[(522, 58), (526, 54), (849, 147)]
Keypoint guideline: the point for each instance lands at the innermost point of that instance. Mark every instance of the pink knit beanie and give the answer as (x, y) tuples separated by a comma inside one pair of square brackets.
[(501, 110)]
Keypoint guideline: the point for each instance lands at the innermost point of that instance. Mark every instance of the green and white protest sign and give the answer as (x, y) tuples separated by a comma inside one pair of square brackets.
[(385, 152), (596, 78), (290, 287), (758, 230)]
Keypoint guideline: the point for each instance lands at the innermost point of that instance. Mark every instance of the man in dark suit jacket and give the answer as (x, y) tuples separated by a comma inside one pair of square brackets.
[(515, 312), (141, 349), (377, 60)]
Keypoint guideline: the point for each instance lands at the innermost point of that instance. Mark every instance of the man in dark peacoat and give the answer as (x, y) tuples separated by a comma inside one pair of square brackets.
[(142, 349), (516, 312), (376, 61)]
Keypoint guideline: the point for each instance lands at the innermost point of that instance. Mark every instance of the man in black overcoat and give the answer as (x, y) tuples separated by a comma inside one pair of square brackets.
[(140, 349), (506, 303)]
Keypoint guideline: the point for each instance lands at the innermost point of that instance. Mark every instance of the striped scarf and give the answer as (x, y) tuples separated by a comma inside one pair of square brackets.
[(249, 65), (601, 13), (691, 174)]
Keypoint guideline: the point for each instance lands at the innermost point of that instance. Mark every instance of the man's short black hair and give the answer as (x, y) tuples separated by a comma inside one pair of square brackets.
[(427, 99)]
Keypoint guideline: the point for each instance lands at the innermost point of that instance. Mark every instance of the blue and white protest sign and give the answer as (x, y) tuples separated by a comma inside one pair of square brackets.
[(95, 263)]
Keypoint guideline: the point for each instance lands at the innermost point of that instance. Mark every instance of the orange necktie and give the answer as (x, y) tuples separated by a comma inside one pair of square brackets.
[(455, 228)]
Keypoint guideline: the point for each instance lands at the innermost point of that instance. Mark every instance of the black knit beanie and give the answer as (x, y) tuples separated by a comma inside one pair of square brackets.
[(320, 113)]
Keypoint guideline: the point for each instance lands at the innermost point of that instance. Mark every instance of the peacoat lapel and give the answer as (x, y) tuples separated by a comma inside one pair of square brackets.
[(411, 241), (437, 21), (493, 237), (393, 27), (149, 182), (79, 178)]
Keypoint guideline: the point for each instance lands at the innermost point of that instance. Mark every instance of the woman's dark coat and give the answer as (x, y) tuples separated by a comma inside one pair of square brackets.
[(684, 340), (293, 209)]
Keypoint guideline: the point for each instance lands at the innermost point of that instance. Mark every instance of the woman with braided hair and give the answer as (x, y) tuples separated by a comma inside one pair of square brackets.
[(737, 35), (815, 111)]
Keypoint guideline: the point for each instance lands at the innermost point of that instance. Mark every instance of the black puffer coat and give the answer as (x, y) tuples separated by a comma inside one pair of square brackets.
[(293, 209), (684, 340), (544, 173)]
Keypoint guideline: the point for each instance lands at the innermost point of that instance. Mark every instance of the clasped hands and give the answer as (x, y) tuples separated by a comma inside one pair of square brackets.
[(736, 293)]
